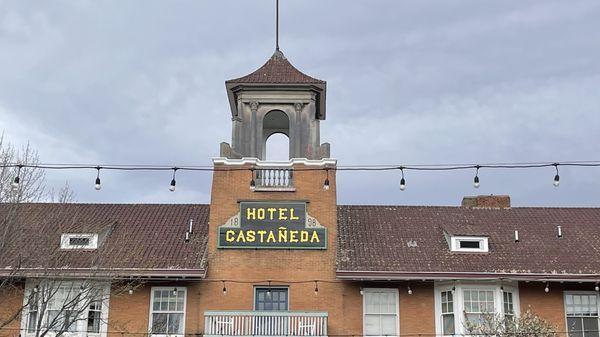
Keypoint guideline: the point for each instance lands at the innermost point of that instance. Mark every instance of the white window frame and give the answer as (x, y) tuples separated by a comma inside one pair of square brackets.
[(458, 298), (151, 310), (272, 287), (81, 325), (66, 238), (379, 290), (580, 292), (483, 244)]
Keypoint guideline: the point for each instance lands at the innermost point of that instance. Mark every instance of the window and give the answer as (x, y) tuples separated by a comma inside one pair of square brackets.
[(94, 316), (168, 311), (447, 313), (459, 305), (472, 244), (582, 314), (477, 303), (79, 241), (32, 319), (380, 312), (271, 299), (69, 306), (509, 306)]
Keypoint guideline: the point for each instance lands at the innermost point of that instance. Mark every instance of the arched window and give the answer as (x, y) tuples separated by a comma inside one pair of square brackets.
[(276, 130), (277, 147)]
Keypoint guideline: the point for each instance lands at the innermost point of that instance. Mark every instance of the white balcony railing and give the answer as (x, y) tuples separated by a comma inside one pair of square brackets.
[(274, 178), (265, 323)]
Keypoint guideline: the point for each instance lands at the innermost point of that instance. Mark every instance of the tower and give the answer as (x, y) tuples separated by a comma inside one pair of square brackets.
[(276, 98)]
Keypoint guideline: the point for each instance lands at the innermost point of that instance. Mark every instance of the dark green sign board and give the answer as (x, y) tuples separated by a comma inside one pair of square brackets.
[(273, 225)]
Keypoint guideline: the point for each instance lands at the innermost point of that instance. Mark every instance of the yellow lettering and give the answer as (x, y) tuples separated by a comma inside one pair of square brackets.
[(229, 236), (260, 214), (250, 213), (262, 235), (314, 237), (282, 215), (292, 216), (241, 237), (250, 236), (282, 234), (271, 213), (303, 236), (293, 236), (271, 237)]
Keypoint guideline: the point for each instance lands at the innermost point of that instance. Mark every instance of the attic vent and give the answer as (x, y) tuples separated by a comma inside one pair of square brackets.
[(79, 241), (469, 244)]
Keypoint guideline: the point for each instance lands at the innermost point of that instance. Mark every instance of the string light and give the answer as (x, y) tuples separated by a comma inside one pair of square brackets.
[(316, 288), (476, 179), (402, 180), (362, 292), (420, 167), (17, 180), (269, 289), (547, 288), (252, 182), (597, 287), (224, 288), (409, 290), (173, 182), (130, 291), (326, 183), (97, 185)]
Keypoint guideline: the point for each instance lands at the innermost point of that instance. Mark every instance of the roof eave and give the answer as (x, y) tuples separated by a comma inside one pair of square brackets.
[(319, 88), (402, 276), (112, 273)]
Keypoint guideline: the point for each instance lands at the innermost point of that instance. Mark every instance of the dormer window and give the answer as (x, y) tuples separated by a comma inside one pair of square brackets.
[(79, 241), (473, 244)]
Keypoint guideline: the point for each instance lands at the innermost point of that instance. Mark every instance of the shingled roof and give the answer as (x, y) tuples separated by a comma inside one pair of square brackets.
[(277, 70), (277, 74), (134, 240), (404, 242)]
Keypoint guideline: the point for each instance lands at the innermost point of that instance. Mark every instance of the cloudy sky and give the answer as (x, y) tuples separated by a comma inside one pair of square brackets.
[(413, 82)]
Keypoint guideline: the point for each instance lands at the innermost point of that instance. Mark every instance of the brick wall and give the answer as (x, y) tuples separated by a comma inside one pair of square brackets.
[(284, 267), (11, 300)]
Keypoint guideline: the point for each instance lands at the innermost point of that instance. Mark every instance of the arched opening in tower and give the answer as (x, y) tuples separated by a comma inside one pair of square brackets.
[(276, 130)]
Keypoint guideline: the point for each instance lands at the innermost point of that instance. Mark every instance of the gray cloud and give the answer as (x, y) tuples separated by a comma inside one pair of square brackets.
[(408, 82)]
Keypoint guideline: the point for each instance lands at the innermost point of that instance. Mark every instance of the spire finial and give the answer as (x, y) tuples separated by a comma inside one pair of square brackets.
[(276, 24)]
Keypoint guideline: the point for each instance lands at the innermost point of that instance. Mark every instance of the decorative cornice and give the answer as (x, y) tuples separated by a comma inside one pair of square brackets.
[(329, 162)]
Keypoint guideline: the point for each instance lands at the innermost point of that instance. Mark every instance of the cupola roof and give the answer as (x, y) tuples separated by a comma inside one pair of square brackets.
[(277, 70)]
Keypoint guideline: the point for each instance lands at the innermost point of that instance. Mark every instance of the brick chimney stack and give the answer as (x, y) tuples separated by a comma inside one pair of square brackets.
[(486, 201)]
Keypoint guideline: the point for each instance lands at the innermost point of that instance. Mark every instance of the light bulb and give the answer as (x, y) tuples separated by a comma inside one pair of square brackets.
[(597, 287), (172, 186), (97, 185), (174, 291), (15, 183), (547, 289), (402, 184), (252, 185), (476, 182), (556, 181), (130, 291), (326, 185), (409, 291)]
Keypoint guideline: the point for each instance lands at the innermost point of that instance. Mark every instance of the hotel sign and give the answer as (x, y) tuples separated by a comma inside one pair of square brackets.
[(273, 225)]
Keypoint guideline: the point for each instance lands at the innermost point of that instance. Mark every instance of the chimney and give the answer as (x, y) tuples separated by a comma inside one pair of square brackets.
[(486, 201)]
